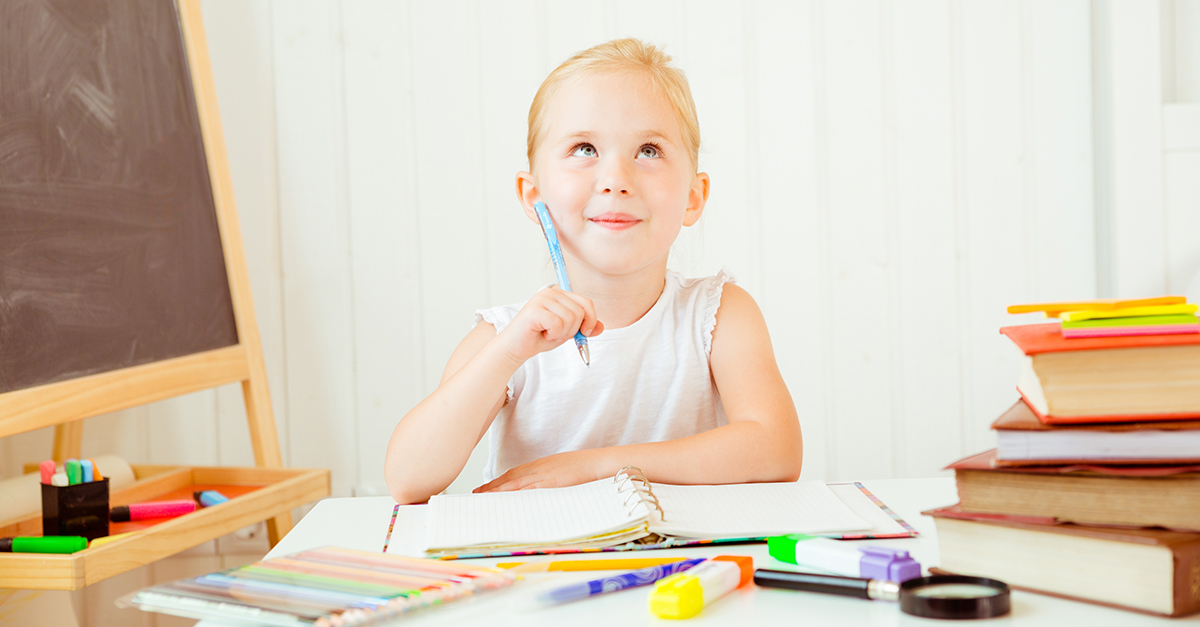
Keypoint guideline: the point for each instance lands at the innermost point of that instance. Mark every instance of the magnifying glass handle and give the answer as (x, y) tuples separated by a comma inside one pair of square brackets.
[(828, 584)]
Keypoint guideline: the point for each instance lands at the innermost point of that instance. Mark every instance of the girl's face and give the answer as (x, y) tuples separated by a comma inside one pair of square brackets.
[(614, 173)]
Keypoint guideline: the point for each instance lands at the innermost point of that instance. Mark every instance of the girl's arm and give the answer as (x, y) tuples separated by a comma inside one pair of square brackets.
[(762, 441), (432, 443)]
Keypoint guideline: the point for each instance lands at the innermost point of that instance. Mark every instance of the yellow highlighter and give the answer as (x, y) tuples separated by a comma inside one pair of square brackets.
[(683, 595)]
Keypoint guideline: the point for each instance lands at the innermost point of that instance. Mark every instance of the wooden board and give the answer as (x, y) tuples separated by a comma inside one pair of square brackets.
[(113, 255)]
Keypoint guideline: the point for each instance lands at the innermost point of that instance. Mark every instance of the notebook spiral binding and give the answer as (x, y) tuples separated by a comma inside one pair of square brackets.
[(640, 489)]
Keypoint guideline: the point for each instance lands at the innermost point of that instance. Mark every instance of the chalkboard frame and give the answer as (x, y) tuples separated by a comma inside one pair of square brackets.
[(65, 404)]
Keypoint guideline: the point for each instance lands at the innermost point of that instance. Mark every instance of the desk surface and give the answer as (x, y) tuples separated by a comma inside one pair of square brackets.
[(361, 523)]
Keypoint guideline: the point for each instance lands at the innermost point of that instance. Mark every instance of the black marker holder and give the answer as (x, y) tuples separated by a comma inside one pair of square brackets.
[(75, 510)]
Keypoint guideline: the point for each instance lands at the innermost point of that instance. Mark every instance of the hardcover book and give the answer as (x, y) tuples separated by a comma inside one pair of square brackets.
[(1108, 379), (1147, 570)]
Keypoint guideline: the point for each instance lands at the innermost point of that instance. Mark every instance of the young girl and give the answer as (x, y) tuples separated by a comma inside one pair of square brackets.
[(682, 381)]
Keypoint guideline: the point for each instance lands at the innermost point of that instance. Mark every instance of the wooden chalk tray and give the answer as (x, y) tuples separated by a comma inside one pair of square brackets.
[(255, 494)]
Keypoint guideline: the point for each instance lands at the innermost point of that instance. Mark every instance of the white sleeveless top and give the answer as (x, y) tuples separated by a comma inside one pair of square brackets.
[(648, 382)]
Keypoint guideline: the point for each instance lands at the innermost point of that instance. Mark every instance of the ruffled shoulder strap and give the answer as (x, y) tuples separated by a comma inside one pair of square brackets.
[(713, 287)]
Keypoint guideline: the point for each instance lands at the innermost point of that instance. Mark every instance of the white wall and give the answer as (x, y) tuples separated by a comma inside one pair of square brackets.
[(887, 176)]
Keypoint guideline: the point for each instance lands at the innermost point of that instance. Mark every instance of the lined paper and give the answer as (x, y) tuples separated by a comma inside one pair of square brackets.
[(544, 516), (752, 510)]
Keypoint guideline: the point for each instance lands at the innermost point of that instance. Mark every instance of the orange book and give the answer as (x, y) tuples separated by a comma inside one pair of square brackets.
[(1033, 339), (1107, 379)]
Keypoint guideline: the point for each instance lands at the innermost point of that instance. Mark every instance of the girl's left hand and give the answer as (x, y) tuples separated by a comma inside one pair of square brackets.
[(554, 471)]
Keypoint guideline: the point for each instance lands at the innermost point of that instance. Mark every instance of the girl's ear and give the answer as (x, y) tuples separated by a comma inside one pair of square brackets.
[(527, 193), (697, 197)]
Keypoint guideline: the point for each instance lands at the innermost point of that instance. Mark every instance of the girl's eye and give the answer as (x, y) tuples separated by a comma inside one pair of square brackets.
[(584, 150), (649, 151)]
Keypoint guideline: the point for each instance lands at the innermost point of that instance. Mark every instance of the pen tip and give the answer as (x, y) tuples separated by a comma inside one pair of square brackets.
[(587, 357)]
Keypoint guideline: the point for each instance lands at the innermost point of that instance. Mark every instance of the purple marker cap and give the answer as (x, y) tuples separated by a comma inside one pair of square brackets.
[(880, 562)]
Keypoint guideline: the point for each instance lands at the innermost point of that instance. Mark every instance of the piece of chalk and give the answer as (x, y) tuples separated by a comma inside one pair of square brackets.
[(86, 467), (96, 476), (59, 479), (74, 471), (47, 469), (208, 498)]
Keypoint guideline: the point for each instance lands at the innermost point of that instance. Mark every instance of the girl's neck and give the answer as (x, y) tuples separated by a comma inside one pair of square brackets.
[(620, 300)]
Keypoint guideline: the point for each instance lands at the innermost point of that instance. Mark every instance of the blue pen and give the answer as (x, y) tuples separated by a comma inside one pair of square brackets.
[(560, 268), (643, 577)]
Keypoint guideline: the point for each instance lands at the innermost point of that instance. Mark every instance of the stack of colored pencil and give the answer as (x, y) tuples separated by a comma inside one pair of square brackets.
[(1166, 315), (323, 587)]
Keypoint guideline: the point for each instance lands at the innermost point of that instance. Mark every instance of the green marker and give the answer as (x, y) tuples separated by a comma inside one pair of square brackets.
[(74, 471), (43, 544)]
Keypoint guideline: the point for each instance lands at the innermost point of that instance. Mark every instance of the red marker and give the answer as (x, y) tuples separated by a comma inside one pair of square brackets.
[(151, 509), (48, 469)]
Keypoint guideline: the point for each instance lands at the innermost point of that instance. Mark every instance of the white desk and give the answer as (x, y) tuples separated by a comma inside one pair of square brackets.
[(362, 523)]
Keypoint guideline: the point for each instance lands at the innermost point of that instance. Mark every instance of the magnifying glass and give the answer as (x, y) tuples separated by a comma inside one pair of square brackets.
[(954, 597)]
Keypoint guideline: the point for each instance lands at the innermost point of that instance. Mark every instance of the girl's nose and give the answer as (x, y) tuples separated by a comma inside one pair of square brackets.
[(614, 179)]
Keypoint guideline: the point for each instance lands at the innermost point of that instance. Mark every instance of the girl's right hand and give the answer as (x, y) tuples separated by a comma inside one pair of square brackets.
[(550, 318)]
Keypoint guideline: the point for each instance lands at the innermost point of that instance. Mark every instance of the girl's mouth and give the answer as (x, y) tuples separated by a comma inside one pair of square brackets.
[(615, 221)]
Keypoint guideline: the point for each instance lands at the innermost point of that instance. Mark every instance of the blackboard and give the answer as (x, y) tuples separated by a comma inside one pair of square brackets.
[(110, 252)]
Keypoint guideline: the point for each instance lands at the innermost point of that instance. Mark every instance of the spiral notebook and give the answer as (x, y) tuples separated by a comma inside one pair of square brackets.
[(626, 512)]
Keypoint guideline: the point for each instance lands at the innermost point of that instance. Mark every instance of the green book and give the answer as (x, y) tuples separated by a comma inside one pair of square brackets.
[(1135, 321)]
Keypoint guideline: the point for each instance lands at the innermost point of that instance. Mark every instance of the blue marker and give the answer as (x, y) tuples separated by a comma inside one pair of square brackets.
[(643, 577), (560, 268)]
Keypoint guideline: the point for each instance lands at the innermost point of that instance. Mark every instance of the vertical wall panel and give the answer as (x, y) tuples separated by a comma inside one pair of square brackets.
[(715, 66), (509, 76), (381, 158), (1182, 187), (1138, 258), (314, 236), (1184, 32), (1061, 200), (929, 429), (994, 241), (794, 296), (449, 172), (240, 47), (860, 274)]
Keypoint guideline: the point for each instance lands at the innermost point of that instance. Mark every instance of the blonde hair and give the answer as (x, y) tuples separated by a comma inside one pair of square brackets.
[(620, 55)]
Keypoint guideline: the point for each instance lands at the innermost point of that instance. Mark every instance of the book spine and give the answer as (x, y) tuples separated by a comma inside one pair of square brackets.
[(1187, 579)]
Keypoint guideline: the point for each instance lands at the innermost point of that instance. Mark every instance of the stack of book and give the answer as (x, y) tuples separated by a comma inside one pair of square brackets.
[(1093, 491)]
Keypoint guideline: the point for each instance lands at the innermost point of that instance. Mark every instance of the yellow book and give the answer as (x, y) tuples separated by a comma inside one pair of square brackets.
[(1129, 312), (1105, 304)]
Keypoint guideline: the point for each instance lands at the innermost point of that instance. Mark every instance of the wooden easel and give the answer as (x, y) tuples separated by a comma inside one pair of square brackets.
[(65, 404)]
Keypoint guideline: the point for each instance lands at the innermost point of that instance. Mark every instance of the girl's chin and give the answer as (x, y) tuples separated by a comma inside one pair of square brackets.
[(619, 266)]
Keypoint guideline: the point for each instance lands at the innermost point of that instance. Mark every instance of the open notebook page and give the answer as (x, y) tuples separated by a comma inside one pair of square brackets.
[(752, 510), (545, 516)]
